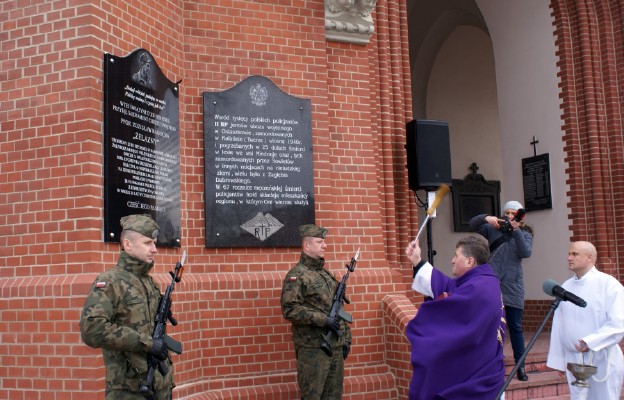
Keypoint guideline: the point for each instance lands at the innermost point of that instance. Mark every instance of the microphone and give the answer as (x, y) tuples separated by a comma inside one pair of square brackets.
[(551, 288)]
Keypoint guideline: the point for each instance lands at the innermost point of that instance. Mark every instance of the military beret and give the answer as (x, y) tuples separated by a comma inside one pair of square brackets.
[(142, 223), (312, 231)]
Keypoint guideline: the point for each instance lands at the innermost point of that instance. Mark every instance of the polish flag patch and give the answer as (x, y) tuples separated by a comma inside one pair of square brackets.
[(100, 284), (292, 278)]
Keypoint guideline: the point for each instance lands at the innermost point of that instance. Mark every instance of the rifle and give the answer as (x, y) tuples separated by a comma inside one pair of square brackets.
[(164, 313), (337, 309)]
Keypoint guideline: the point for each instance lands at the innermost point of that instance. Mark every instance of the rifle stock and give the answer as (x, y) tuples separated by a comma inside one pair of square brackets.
[(162, 316), (337, 309)]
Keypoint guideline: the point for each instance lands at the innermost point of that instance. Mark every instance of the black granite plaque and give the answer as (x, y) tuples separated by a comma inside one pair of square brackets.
[(258, 153), (141, 145), (536, 181)]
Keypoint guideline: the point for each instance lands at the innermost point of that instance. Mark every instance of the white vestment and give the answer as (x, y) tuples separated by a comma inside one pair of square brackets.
[(600, 325)]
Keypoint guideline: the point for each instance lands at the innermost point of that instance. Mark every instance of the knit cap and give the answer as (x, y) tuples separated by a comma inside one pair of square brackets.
[(512, 205)]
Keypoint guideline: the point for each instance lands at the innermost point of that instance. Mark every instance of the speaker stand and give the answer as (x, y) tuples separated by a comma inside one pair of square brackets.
[(430, 251)]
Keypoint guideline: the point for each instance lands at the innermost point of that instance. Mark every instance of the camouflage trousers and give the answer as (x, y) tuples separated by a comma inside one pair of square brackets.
[(319, 376), (164, 394)]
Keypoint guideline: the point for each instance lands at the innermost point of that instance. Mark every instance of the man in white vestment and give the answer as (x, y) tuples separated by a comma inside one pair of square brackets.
[(590, 335)]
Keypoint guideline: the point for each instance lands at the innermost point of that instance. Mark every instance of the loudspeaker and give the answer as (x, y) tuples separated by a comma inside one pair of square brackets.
[(428, 154)]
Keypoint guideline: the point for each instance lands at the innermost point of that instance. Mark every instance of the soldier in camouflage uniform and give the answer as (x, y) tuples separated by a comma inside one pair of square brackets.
[(119, 314), (307, 296)]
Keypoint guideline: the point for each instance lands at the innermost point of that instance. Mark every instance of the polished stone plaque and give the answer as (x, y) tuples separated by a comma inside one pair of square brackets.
[(258, 164), (536, 182), (141, 145)]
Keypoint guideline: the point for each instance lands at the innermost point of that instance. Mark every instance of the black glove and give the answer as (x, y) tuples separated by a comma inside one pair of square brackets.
[(333, 324), (345, 350), (159, 349)]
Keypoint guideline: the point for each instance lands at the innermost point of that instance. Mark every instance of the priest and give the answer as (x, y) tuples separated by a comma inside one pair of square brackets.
[(457, 336)]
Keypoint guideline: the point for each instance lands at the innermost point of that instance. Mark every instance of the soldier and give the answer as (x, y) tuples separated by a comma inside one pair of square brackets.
[(119, 312), (307, 296), (144, 75)]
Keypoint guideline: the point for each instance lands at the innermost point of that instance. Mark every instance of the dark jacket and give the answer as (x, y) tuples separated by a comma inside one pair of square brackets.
[(506, 259)]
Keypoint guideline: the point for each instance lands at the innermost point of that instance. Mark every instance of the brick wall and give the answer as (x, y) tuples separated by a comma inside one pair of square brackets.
[(589, 38), (534, 313), (236, 343), (398, 311)]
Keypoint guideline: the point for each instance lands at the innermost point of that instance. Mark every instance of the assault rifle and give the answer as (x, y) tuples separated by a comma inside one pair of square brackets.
[(337, 309), (146, 388)]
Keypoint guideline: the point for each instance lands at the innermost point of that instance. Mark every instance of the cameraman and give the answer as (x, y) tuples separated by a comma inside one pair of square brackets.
[(510, 241)]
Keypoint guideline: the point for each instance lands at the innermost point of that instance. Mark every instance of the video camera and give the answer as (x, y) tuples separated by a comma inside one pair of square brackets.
[(506, 226)]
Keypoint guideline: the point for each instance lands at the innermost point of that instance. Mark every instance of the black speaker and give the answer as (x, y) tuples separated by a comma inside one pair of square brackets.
[(428, 154)]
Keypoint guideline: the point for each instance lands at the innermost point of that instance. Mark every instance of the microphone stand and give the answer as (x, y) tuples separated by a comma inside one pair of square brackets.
[(553, 307)]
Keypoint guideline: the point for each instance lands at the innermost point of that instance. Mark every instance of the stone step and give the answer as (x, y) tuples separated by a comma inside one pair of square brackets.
[(541, 384), (544, 383)]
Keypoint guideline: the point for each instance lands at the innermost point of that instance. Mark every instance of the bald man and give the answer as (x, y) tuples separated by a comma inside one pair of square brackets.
[(590, 335)]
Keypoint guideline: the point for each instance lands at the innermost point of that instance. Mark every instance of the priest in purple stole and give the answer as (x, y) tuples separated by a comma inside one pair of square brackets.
[(457, 337)]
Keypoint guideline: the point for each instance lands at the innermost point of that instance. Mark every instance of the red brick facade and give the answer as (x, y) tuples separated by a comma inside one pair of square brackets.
[(236, 343)]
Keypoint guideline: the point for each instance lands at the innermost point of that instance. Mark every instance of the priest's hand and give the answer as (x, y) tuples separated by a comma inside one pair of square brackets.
[(413, 252)]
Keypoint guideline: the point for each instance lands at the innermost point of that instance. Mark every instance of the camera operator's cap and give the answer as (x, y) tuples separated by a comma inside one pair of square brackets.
[(512, 205), (142, 223), (312, 231)]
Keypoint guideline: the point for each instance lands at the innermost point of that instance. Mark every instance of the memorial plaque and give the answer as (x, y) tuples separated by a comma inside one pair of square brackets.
[(536, 181), (472, 196), (258, 166), (141, 146)]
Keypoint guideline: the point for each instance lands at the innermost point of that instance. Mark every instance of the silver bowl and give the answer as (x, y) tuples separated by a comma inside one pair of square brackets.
[(582, 372)]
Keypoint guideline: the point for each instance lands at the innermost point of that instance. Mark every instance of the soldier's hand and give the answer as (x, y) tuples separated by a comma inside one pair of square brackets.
[(345, 350), (333, 324), (159, 349)]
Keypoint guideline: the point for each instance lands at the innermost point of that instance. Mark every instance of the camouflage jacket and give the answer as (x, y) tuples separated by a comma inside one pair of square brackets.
[(307, 296), (118, 317)]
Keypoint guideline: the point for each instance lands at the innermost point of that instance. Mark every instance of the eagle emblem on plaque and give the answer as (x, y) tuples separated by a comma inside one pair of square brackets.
[(258, 94)]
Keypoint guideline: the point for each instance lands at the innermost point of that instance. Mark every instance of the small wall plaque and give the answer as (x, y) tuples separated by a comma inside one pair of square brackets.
[(472, 196), (536, 182)]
